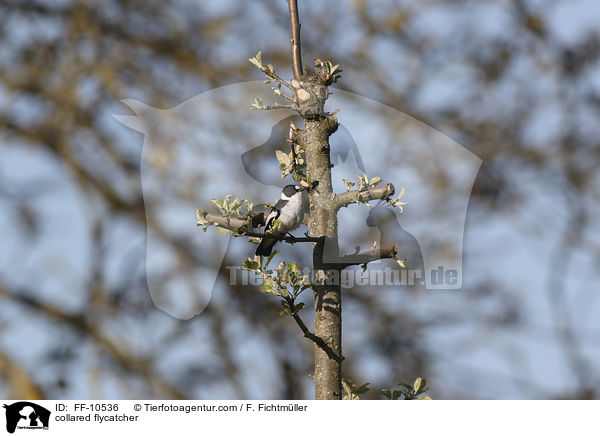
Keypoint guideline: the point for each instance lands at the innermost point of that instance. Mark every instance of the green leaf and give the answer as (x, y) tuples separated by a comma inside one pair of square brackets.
[(353, 392), (257, 60), (375, 180), (254, 62), (282, 157), (286, 308), (271, 256), (406, 386), (386, 393), (223, 230), (363, 181), (401, 194), (348, 184), (424, 397), (362, 389), (217, 202), (400, 262), (275, 226), (418, 384), (269, 286), (348, 386), (283, 291), (250, 264), (200, 215), (294, 268), (258, 104), (236, 203)]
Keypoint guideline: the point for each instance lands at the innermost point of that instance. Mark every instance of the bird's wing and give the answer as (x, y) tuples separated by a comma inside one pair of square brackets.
[(275, 212), (280, 204)]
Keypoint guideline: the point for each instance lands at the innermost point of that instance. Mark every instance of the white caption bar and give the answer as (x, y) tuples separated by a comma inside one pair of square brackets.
[(298, 417)]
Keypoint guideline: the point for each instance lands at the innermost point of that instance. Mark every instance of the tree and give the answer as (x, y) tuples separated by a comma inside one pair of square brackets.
[(310, 163)]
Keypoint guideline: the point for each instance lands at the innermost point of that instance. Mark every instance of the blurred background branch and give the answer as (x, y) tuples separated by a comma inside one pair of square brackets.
[(513, 82)]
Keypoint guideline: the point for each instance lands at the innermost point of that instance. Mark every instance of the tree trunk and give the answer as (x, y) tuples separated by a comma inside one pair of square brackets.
[(323, 222)]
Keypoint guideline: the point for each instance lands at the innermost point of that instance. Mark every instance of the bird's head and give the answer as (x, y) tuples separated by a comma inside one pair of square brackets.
[(290, 190)]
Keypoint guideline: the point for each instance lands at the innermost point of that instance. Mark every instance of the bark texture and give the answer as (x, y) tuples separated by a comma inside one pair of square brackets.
[(323, 222)]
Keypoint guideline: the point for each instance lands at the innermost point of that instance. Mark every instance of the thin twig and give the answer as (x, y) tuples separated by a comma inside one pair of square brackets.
[(310, 335), (295, 32), (273, 76), (293, 147), (281, 94), (290, 239), (276, 106)]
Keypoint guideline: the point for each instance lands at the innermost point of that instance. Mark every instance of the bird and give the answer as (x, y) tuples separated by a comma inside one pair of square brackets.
[(289, 210)]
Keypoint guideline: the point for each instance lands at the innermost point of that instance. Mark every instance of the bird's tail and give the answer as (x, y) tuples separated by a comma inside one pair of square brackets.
[(266, 246)]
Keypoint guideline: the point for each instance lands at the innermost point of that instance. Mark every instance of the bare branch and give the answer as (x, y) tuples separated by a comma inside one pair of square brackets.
[(230, 223), (294, 157), (278, 92), (295, 33), (369, 256), (21, 384), (79, 322), (237, 224), (363, 196), (277, 106)]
